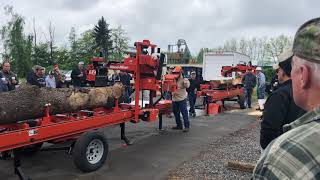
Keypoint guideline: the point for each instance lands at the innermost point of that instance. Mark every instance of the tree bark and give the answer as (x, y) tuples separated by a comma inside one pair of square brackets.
[(241, 166), (29, 102)]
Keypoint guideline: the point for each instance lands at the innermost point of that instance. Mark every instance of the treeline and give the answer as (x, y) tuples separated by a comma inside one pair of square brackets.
[(263, 51), (24, 50)]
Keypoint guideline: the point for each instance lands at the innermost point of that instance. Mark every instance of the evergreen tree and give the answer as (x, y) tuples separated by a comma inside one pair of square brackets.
[(102, 35)]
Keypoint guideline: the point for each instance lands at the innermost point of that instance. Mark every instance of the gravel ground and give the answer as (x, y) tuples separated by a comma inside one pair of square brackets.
[(242, 145)]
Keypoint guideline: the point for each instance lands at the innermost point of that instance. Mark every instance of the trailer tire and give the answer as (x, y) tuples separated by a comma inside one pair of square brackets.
[(31, 149), (241, 102), (90, 151)]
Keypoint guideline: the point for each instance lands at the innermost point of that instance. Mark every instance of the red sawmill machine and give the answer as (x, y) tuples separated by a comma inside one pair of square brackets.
[(89, 147), (213, 92)]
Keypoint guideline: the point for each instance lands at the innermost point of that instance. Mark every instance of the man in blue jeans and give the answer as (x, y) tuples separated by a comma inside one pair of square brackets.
[(249, 82), (192, 93), (179, 101), (261, 87)]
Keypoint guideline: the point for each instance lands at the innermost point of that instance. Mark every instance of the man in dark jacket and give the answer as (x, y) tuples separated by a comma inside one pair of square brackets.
[(280, 108), (37, 77), (11, 77), (192, 93), (249, 81), (3, 83), (78, 76), (125, 79)]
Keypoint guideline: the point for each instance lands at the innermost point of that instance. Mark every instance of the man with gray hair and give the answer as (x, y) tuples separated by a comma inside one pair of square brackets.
[(295, 154), (78, 75)]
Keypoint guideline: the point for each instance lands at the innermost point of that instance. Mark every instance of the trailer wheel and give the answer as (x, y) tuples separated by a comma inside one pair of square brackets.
[(90, 151), (241, 102), (31, 149)]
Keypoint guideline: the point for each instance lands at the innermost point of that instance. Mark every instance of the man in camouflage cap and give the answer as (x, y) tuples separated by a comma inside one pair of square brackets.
[(295, 154)]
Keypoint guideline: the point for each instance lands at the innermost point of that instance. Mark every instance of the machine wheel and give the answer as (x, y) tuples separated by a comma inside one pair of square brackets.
[(241, 102), (31, 149), (90, 151)]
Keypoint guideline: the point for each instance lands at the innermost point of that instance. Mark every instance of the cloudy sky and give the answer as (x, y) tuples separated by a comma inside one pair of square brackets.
[(202, 23)]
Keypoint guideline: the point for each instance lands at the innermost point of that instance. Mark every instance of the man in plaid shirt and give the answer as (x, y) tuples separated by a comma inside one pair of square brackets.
[(296, 153)]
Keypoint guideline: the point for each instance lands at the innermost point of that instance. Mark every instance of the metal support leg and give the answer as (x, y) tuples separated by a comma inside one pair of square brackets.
[(207, 104), (223, 105), (160, 122), (123, 134), (17, 165)]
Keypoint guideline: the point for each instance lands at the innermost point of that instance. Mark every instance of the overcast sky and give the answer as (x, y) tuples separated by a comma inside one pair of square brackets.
[(202, 23)]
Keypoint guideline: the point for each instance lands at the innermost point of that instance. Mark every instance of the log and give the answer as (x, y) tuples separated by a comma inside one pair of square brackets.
[(241, 166), (29, 102), (225, 82)]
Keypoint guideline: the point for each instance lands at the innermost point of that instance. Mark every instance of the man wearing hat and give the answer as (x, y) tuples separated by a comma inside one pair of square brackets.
[(78, 75), (37, 77), (261, 87), (280, 108), (295, 154), (249, 82), (192, 93), (51, 80), (179, 100)]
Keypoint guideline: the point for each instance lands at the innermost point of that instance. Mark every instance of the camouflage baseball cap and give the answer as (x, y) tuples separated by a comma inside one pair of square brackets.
[(285, 55), (307, 41)]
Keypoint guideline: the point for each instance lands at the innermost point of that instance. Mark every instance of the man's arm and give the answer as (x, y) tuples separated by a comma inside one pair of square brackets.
[(274, 115), (186, 83)]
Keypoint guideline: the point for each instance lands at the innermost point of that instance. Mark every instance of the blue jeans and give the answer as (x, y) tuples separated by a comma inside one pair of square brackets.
[(181, 106), (167, 95), (247, 96), (192, 101), (261, 92)]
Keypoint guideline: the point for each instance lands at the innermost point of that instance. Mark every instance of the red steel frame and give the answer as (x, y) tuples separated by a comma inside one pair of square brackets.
[(214, 95), (57, 128)]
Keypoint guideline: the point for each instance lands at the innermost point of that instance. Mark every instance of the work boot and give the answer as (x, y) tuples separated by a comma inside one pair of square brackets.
[(176, 128), (186, 130)]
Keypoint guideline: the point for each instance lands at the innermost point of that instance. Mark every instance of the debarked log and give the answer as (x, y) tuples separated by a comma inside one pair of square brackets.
[(29, 102)]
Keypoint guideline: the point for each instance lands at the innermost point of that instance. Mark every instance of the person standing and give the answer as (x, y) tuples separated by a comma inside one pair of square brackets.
[(261, 87), (125, 79), (280, 108), (179, 101), (51, 80), (37, 78), (78, 76), (295, 154), (3, 83), (115, 77), (167, 94), (192, 93), (57, 75), (11, 77), (249, 82)]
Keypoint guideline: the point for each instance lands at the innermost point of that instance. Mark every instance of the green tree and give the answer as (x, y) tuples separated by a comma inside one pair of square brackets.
[(18, 46), (64, 59), (86, 45), (102, 35), (200, 56), (120, 43), (74, 51), (41, 54)]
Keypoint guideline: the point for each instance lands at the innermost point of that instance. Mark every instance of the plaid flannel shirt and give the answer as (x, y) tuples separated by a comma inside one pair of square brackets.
[(295, 154)]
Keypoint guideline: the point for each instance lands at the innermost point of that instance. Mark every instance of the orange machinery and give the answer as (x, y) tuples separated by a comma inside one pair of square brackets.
[(89, 146), (224, 92)]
